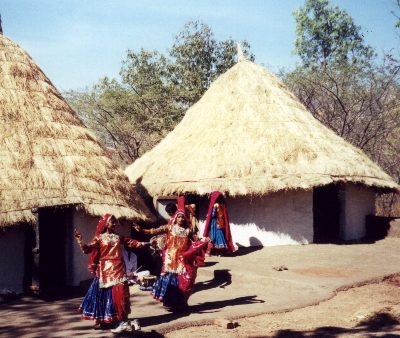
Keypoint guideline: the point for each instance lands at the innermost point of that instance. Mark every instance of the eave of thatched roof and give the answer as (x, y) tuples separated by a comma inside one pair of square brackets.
[(48, 158), (249, 135)]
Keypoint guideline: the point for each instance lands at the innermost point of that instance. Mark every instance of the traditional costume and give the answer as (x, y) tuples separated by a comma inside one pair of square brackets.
[(108, 296), (217, 226), (179, 269)]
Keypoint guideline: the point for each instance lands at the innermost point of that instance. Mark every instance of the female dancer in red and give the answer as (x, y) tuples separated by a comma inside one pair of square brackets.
[(181, 257), (107, 299)]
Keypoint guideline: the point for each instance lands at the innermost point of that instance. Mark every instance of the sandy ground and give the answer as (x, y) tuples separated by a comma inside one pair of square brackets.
[(326, 291), (371, 310)]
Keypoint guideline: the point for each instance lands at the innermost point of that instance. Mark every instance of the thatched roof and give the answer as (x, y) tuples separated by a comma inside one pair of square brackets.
[(249, 135), (47, 156)]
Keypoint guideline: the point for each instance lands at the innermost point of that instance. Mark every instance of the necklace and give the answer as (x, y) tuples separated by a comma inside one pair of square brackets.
[(180, 231), (109, 238)]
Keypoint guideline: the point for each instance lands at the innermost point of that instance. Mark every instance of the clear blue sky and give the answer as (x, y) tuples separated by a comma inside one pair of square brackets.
[(76, 42)]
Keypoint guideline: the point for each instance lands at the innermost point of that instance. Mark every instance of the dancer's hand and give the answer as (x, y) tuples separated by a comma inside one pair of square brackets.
[(78, 235), (136, 227), (153, 242)]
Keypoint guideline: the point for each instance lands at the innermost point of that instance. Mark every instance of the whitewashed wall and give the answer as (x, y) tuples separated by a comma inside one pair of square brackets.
[(358, 202), (12, 260), (78, 261), (276, 219)]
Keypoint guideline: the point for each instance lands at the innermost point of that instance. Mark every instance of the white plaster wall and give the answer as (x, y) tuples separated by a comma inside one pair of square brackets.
[(276, 219), (78, 261), (359, 201), (12, 259)]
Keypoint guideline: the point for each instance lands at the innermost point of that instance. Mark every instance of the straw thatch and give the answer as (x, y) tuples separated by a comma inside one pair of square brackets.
[(47, 156), (249, 135)]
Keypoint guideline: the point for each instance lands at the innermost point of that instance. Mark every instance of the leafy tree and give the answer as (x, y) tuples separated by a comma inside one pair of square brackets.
[(359, 104), (199, 59), (327, 35), (145, 75), (396, 15), (344, 86), (133, 113)]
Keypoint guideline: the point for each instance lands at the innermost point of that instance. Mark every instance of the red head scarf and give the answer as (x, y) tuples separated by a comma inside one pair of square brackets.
[(179, 212), (181, 202), (94, 255), (102, 224)]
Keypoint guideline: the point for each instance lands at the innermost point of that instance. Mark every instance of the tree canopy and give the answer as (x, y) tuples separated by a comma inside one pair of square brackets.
[(132, 113), (326, 35), (344, 85)]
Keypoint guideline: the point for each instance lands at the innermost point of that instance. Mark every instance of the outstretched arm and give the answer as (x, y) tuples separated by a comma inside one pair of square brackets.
[(152, 231), (86, 248), (78, 237), (130, 243)]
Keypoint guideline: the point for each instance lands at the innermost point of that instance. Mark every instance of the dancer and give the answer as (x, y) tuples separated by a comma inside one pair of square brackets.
[(107, 299), (173, 287), (217, 226)]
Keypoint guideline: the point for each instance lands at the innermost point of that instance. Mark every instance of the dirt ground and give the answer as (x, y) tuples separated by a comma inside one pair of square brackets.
[(347, 290), (372, 310)]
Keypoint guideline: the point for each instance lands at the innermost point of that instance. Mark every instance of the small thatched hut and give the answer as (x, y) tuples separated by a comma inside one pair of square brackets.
[(54, 176), (288, 179)]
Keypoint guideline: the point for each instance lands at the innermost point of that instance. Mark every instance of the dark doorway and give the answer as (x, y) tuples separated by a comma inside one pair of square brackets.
[(53, 224), (326, 214)]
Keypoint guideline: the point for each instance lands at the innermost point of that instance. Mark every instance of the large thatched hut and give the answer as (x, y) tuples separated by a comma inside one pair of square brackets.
[(287, 178), (54, 176)]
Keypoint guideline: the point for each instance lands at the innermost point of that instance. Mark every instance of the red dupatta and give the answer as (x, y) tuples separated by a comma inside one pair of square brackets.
[(192, 259), (228, 237), (181, 202)]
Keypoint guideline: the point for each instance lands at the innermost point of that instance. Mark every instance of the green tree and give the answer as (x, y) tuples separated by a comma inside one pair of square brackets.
[(133, 113), (198, 59), (344, 86), (359, 104), (327, 35), (397, 15)]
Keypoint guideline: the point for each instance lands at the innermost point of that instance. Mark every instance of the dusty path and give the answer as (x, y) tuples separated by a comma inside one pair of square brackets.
[(243, 285), (367, 311)]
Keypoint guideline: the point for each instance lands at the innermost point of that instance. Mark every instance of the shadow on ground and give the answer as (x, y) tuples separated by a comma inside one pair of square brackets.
[(382, 323), (244, 250), (205, 307), (221, 279), (37, 316)]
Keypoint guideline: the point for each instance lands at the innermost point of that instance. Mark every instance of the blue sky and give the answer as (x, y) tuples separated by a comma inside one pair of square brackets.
[(76, 42)]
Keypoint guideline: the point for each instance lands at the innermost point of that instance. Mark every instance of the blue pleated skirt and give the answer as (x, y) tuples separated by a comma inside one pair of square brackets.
[(217, 236), (166, 290), (98, 304)]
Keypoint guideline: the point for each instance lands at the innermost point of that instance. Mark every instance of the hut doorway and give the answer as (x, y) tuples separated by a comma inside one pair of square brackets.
[(326, 214), (53, 223)]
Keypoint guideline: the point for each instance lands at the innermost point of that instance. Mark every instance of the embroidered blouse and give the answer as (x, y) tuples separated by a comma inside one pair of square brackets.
[(177, 243), (111, 269)]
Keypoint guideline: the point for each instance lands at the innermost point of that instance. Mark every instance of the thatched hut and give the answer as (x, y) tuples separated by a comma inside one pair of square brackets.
[(287, 178), (54, 176)]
